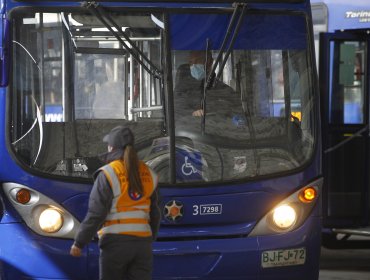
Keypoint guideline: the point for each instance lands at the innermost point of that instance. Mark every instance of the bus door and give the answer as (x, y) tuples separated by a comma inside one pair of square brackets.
[(344, 87)]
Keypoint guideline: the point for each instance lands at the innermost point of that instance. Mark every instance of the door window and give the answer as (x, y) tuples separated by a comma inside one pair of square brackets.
[(347, 91)]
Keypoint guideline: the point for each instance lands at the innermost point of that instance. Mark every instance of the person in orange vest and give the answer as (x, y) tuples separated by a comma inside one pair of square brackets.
[(123, 208)]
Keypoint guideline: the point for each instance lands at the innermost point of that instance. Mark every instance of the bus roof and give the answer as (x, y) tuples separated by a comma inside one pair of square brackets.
[(182, 1), (343, 14)]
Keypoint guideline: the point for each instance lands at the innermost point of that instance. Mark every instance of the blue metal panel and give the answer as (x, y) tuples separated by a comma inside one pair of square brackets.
[(297, 4), (184, 1), (236, 210), (257, 31), (24, 255), (77, 205)]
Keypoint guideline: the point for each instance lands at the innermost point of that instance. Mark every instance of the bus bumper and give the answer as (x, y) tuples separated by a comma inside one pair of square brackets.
[(238, 258), (41, 258)]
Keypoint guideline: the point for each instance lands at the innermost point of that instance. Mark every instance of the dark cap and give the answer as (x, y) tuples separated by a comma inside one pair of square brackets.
[(119, 137)]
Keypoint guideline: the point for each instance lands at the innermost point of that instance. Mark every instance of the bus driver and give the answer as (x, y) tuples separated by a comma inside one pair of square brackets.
[(189, 84)]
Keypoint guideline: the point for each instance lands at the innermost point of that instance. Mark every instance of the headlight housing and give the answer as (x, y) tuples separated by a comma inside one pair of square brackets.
[(41, 214), (291, 212)]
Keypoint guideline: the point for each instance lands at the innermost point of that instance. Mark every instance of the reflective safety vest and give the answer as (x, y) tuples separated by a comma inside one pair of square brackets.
[(130, 211)]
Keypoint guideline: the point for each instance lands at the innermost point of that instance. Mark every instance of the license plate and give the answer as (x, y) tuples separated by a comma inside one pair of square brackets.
[(283, 257)]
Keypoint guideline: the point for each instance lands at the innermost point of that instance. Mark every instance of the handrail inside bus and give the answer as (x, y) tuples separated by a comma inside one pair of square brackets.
[(341, 143), (136, 53)]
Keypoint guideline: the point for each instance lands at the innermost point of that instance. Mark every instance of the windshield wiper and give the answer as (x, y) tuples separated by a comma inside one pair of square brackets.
[(212, 77), (136, 53)]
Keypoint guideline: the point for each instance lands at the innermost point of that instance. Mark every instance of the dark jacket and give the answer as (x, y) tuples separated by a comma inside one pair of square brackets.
[(188, 95)]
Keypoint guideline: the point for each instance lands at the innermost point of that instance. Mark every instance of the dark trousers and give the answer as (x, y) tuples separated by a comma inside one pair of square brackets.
[(125, 258)]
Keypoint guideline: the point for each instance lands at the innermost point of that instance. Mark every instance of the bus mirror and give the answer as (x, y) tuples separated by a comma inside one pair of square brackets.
[(4, 52)]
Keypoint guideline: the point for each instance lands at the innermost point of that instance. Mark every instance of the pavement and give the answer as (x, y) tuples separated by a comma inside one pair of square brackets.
[(344, 264)]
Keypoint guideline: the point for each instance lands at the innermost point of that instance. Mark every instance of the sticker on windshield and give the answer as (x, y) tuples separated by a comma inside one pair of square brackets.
[(240, 164)]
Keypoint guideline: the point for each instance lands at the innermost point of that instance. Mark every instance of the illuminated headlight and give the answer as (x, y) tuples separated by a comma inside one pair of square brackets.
[(50, 220), (290, 213), (284, 216), (40, 213)]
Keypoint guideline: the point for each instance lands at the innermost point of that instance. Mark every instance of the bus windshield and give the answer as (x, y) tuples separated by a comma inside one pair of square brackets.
[(79, 73)]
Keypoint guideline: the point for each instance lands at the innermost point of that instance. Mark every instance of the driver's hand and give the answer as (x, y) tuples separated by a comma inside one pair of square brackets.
[(198, 113)]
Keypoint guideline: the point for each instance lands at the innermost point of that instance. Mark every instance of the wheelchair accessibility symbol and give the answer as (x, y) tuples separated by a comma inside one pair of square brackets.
[(187, 168)]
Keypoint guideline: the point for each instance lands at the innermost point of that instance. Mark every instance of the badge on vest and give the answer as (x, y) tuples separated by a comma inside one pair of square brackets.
[(135, 195)]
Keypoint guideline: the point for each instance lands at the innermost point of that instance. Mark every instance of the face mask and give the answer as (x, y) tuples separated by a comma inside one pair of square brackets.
[(197, 71)]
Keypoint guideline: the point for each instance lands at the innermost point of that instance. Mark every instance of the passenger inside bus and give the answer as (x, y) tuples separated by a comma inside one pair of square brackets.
[(109, 100), (189, 84)]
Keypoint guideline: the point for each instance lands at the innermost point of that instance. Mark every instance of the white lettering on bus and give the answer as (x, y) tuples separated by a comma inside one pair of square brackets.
[(358, 14), (53, 117)]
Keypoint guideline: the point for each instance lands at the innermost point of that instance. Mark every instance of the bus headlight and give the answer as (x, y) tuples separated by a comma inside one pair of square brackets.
[(284, 216), (291, 212), (50, 220), (40, 213)]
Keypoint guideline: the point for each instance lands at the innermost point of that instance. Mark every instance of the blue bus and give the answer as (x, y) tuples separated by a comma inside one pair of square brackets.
[(240, 185), (342, 33)]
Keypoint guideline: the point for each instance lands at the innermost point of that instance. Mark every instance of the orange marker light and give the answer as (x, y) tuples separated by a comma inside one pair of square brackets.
[(23, 196), (308, 194), (174, 211)]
